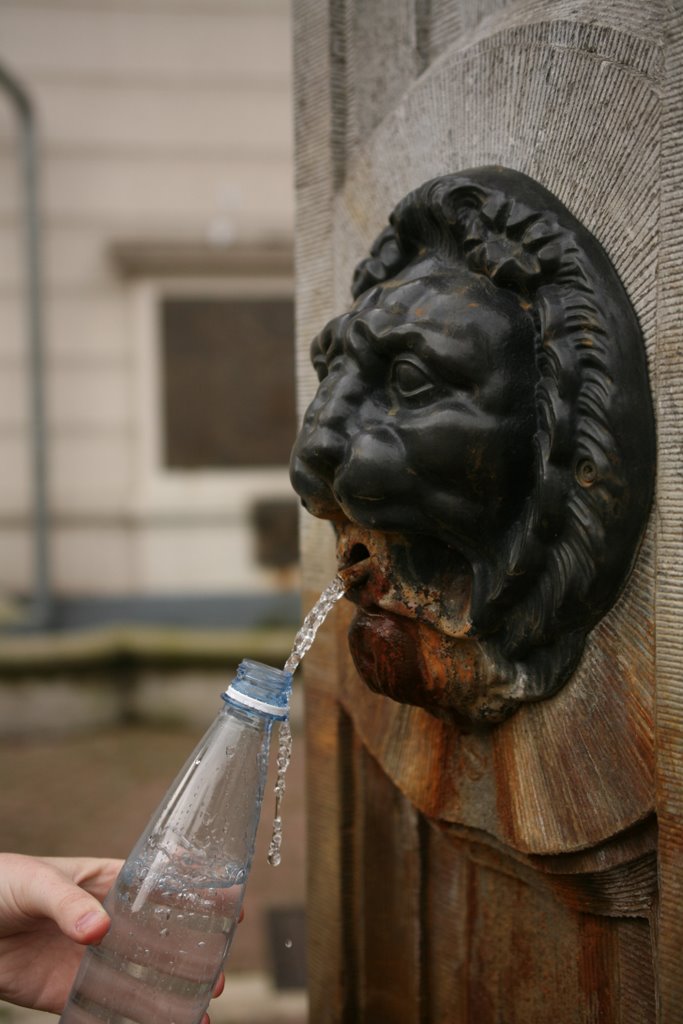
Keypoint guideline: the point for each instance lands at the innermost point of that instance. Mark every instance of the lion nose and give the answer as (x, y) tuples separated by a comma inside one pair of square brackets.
[(320, 448), (312, 469)]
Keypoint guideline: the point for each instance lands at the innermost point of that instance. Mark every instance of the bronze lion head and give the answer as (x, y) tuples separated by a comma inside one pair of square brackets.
[(483, 429)]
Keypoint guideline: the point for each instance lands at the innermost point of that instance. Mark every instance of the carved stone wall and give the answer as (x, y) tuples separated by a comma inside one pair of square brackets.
[(588, 102)]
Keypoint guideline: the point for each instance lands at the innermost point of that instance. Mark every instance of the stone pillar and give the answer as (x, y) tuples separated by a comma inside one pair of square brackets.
[(535, 889)]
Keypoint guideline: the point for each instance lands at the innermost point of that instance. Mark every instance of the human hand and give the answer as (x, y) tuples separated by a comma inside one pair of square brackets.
[(50, 910)]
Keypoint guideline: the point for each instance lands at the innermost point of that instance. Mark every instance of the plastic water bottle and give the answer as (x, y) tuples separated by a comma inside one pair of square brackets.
[(177, 900)]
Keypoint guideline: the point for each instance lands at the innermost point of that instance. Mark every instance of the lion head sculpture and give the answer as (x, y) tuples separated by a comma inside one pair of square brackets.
[(483, 429)]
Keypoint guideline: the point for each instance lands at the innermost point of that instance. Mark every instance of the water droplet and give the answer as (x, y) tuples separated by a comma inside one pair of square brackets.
[(164, 931), (288, 943), (202, 943)]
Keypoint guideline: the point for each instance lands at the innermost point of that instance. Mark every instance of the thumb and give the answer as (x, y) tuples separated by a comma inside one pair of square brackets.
[(41, 890)]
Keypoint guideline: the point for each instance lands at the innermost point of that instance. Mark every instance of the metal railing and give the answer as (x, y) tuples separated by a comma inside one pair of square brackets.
[(41, 598)]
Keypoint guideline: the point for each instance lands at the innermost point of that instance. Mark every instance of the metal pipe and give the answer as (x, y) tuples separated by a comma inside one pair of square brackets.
[(41, 604)]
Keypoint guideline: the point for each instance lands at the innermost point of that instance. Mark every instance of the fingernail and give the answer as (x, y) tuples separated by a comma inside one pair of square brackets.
[(89, 919)]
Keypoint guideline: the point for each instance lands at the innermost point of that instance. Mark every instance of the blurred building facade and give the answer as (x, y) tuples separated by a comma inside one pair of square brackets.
[(165, 191)]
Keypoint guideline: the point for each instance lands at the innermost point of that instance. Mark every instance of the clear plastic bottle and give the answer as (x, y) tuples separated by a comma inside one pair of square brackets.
[(176, 902)]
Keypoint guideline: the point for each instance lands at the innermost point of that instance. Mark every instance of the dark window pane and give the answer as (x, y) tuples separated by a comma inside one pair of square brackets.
[(227, 382), (276, 527)]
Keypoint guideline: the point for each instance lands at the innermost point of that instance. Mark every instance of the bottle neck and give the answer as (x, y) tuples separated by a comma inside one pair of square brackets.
[(261, 689), (245, 700)]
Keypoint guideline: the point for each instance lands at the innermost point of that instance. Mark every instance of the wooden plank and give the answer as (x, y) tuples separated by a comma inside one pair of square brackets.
[(522, 956), (636, 972), (330, 884), (445, 956), (598, 969), (387, 872), (499, 945)]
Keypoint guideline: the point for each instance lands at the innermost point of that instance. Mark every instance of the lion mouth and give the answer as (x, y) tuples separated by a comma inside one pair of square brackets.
[(362, 561), (355, 569), (405, 577)]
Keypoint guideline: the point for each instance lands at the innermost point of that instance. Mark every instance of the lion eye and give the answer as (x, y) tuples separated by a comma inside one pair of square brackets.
[(410, 379)]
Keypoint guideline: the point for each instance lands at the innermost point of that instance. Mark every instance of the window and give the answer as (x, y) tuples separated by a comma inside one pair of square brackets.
[(212, 509), (227, 382)]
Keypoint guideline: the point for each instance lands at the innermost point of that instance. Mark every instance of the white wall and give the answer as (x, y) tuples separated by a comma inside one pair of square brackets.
[(164, 120)]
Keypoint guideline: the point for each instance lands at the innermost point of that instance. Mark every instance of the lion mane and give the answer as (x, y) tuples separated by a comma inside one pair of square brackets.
[(564, 561)]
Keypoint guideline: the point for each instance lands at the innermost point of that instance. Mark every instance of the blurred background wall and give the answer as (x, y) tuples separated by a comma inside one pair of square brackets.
[(164, 160), (165, 197)]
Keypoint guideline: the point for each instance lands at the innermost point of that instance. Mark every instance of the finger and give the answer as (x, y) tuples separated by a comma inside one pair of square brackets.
[(219, 986), (40, 891), (94, 874)]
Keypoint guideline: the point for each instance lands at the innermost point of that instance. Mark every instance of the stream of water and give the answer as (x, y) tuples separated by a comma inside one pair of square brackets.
[(302, 643)]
